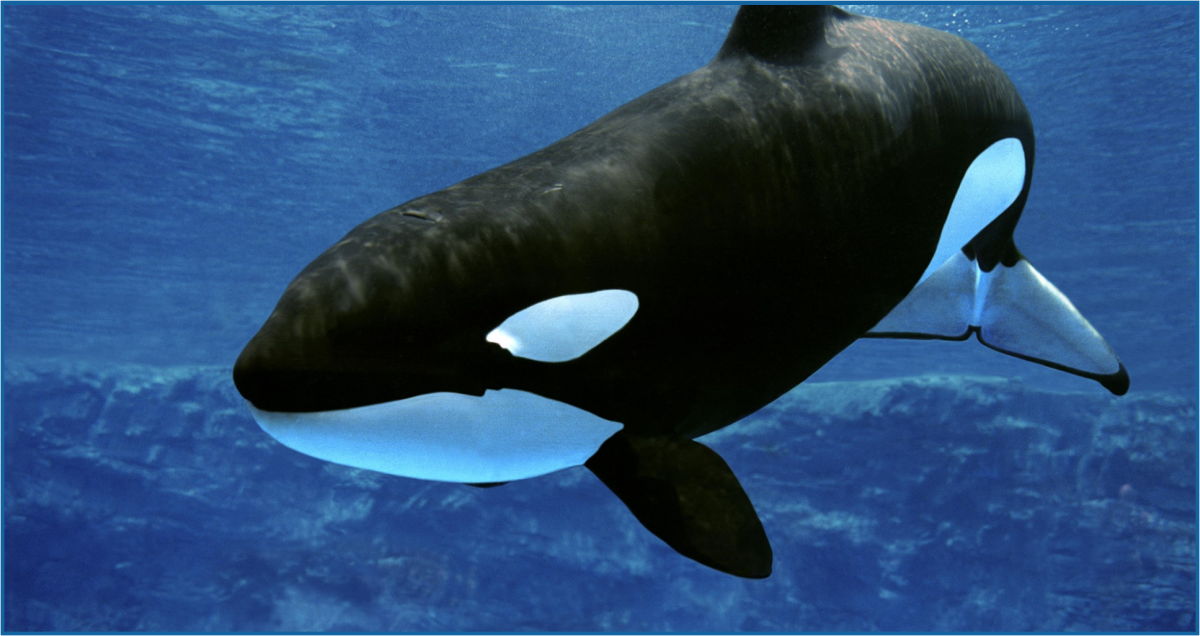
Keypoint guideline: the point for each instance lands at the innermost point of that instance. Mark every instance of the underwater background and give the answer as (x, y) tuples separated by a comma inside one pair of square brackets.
[(168, 169)]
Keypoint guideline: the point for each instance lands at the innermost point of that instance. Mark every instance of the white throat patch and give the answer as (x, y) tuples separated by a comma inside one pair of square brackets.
[(502, 436)]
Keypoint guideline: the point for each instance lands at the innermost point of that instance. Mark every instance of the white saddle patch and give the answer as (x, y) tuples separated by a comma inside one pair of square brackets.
[(991, 184), (502, 436), (565, 327)]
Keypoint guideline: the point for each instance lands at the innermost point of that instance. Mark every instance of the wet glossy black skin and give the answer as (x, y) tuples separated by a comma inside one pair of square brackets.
[(767, 210)]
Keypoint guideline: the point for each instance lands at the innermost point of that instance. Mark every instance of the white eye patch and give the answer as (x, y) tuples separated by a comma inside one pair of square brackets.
[(991, 184), (565, 327)]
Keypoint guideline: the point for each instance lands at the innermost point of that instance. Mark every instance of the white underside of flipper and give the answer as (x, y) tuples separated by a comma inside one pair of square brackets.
[(941, 307), (1014, 310), (1022, 313), (501, 436)]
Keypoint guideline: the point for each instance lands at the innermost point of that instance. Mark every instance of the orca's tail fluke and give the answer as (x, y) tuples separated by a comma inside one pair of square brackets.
[(1012, 309), (685, 494)]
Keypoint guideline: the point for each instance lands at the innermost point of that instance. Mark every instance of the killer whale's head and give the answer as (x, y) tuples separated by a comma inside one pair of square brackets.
[(383, 359), (346, 334)]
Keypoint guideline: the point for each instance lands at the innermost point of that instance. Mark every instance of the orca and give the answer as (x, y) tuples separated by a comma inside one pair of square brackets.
[(672, 268)]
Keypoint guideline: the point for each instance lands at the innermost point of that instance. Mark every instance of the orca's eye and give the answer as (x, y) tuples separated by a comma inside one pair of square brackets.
[(565, 327), (991, 184)]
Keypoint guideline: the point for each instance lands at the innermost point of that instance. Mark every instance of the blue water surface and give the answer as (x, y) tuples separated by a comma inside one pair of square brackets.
[(167, 169)]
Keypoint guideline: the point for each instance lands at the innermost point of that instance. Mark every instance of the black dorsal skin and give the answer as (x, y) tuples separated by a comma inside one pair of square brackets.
[(767, 209), (783, 35)]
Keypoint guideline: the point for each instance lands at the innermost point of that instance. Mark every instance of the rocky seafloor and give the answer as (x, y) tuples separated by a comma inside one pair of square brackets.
[(138, 498)]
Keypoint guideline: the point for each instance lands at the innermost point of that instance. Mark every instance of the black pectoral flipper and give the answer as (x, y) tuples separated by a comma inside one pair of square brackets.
[(685, 494), (1012, 309)]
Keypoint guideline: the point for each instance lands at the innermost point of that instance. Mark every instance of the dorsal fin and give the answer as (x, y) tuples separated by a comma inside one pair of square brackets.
[(778, 34)]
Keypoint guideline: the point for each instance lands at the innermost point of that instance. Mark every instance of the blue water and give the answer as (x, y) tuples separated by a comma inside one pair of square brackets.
[(168, 169)]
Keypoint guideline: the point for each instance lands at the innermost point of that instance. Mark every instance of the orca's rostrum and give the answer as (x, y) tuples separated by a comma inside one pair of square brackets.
[(672, 268)]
